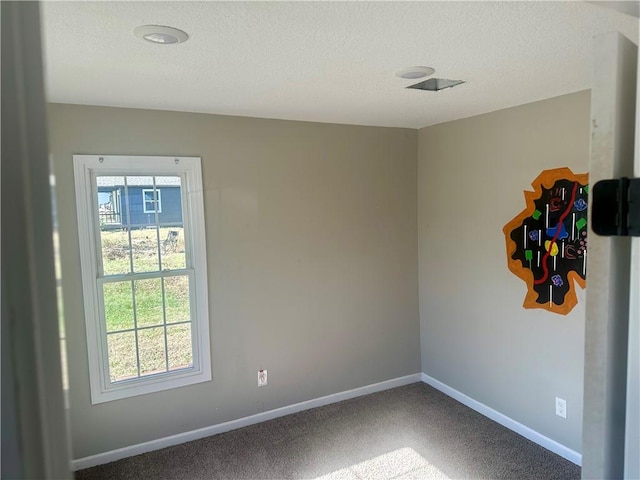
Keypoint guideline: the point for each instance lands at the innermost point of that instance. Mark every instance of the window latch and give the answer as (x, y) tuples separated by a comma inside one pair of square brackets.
[(615, 207)]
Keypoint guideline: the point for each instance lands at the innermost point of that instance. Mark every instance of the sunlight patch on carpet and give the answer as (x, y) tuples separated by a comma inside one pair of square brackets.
[(401, 464)]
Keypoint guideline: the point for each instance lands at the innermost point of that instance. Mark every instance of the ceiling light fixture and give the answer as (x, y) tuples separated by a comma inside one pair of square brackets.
[(160, 34), (412, 73)]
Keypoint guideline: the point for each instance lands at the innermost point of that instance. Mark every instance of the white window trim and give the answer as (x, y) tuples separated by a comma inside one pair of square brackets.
[(189, 168), (158, 198)]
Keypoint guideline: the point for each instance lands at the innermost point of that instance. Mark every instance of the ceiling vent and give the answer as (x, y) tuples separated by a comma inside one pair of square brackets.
[(436, 84)]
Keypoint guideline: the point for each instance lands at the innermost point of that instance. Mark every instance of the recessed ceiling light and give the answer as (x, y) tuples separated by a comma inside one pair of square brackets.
[(160, 34), (412, 73)]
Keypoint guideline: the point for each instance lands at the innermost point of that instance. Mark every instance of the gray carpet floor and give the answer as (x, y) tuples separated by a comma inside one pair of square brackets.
[(411, 432)]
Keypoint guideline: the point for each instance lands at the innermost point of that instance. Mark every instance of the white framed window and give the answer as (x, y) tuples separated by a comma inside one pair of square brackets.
[(144, 277), (151, 200)]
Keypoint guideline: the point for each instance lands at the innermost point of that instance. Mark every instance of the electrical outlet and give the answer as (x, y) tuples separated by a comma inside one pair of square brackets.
[(262, 378), (561, 407)]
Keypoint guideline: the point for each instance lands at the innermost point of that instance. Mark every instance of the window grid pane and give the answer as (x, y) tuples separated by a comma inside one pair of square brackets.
[(115, 252), (173, 248), (179, 346), (123, 364), (177, 292), (152, 351), (109, 189), (144, 249), (149, 309), (118, 306)]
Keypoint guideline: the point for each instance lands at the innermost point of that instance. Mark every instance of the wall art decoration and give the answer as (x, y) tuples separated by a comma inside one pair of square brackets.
[(547, 241)]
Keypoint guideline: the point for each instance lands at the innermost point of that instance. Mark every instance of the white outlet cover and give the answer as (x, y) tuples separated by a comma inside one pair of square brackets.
[(262, 378), (561, 407)]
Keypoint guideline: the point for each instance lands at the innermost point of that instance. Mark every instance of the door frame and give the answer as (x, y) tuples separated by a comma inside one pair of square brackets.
[(33, 408)]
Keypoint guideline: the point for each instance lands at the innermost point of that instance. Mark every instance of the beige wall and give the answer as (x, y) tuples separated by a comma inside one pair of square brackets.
[(312, 260), (313, 266), (475, 335)]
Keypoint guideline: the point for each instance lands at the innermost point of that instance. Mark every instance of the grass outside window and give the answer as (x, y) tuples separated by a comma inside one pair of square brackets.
[(134, 309)]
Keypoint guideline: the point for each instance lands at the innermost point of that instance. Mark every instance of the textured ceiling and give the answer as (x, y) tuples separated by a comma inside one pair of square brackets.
[(324, 61)]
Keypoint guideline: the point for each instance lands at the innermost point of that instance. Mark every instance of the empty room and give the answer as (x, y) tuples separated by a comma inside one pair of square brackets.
[(321, 240)]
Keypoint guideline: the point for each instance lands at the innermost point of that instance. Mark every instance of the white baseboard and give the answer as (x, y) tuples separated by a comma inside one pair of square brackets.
[(172, 440), (113, 455), (505, 421)]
